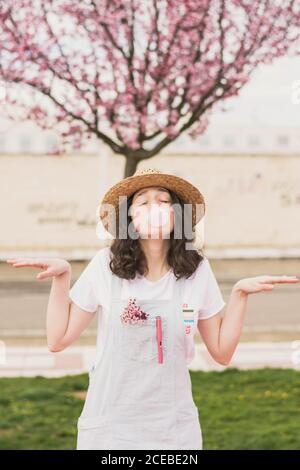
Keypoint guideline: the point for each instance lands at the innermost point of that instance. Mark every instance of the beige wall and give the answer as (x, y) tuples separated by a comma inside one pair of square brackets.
[(49, 203)]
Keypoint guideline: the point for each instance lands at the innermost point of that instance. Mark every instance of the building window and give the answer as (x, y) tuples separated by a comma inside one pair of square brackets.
[(228, 141), (51, 143), (203, 140), (25, 143), (253, 141), (283, 140)]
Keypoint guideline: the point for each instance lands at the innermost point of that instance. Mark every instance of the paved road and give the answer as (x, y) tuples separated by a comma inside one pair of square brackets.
[(271, 316)]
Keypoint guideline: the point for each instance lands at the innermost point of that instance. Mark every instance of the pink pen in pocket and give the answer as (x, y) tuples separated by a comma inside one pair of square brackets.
[(159, 339)]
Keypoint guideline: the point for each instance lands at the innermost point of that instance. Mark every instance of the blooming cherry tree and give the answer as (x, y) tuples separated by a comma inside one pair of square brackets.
[(135, 73)]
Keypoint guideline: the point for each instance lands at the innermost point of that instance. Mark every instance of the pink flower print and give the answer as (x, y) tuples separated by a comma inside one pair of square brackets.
[(133, 313)]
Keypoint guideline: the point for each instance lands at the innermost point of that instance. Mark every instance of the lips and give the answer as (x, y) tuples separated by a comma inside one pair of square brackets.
[(158, 215)]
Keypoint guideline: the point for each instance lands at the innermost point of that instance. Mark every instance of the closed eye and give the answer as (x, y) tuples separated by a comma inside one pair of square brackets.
[(168, 202)]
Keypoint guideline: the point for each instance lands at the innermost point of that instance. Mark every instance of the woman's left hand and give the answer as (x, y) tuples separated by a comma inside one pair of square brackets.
[(252, 285)]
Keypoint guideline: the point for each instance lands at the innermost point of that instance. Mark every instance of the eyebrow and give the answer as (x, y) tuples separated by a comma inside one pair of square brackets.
[(145, 190)]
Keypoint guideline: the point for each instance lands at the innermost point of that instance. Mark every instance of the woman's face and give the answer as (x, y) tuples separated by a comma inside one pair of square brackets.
[(152, 212)]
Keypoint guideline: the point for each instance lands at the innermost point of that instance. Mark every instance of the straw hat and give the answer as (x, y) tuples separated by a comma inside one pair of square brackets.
[(144, 178)]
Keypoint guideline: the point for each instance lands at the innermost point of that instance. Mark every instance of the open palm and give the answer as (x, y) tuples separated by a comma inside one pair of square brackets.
[(51, 266), (252, 285)]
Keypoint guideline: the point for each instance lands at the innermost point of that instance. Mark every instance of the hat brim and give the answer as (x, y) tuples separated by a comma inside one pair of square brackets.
[(126, 187)]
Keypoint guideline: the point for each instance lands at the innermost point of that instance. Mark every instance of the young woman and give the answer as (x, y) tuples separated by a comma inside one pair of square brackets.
[(152, 289)]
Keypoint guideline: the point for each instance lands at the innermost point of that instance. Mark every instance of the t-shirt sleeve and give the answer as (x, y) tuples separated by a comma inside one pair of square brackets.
[(84, 291), (212, 301)]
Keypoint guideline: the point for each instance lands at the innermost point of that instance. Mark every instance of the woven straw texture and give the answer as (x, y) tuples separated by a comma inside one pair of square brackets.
[(145, 178)]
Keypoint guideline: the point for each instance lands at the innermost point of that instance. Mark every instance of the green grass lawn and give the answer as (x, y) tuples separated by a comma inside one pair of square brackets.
[(239, 409)]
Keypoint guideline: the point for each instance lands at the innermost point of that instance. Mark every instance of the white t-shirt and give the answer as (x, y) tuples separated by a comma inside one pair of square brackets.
[(91, 292)]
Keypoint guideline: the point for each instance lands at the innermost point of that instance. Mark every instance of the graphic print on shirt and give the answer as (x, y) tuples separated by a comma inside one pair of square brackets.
[(188, 315)]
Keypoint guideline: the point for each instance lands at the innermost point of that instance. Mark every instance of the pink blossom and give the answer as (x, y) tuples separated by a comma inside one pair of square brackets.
[(132, 313), (81, 60)]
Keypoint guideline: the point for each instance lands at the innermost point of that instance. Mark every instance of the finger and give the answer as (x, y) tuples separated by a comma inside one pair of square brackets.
[(18, 265), (267, 286), (19, 259), (284, 278), (44, 274), (287, 280), (41, 276), (33, 264), (23, 264)]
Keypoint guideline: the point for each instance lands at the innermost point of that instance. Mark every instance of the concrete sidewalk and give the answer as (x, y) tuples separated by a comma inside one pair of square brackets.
[(32, 361)]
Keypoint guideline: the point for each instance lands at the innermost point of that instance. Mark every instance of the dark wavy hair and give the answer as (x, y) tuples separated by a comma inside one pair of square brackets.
[(128, 257)]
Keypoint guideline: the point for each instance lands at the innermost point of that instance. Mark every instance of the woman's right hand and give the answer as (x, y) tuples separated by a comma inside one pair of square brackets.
[(51, 266)]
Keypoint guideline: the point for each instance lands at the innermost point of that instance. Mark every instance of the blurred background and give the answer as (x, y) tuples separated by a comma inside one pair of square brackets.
[(245, 160)]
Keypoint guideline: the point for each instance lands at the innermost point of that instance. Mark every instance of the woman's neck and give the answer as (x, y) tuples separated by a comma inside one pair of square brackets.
[(156, 254)]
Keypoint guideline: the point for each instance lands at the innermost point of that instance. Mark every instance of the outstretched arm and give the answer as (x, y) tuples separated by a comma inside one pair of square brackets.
[(221, 333), (64, 320)]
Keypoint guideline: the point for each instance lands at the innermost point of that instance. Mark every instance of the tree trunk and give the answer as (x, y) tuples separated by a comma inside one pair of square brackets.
[(130, 166)]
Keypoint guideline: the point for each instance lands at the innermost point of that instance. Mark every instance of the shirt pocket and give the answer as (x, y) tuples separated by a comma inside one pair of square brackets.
[(139, 341), (93, 433)]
